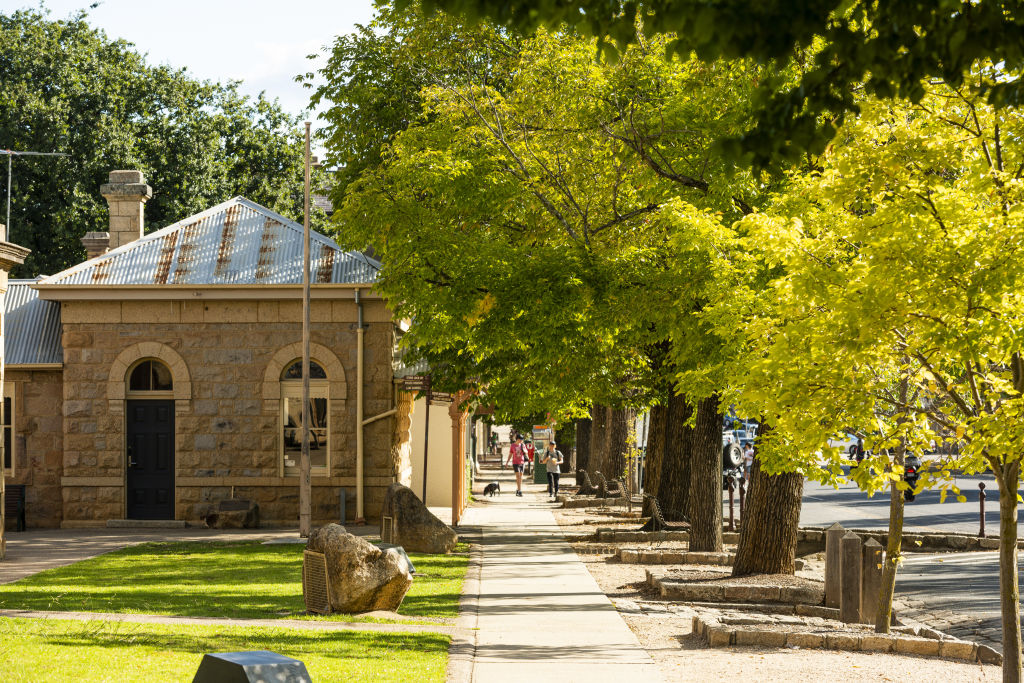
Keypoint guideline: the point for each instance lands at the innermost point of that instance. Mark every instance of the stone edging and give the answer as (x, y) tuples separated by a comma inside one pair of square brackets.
[(716, 592), (718, 634), (911, 541), (462, 647), (592, 502)]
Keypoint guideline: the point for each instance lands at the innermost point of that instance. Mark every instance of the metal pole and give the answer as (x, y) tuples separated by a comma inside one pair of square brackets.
[(426, 440), (981, 502), (3, 233), (305, 489), (732, 491), (743, 486)]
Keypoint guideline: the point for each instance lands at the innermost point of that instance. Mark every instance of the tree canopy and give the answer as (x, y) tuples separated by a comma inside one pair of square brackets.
[(66, 87), (890, 47)]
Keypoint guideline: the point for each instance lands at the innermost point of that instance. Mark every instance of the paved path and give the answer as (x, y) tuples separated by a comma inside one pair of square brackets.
[(540, 614), (302, 624)]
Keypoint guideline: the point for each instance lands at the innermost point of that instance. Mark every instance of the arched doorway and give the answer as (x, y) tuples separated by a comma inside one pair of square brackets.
[(149, 441)]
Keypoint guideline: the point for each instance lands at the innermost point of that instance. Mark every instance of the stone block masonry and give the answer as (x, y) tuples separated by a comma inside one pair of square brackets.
[(227, 407)]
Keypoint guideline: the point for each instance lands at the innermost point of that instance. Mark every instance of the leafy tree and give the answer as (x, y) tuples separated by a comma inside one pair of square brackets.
[(890, 47), (66, 87), (903, 288)]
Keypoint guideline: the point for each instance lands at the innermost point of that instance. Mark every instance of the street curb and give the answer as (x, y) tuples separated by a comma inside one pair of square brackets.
[(462, 648)]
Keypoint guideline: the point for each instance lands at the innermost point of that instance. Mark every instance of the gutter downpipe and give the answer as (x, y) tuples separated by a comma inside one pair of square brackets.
[(360, 517)]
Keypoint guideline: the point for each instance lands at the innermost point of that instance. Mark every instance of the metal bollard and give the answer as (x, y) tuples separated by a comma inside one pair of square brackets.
[(732, 520), (981, 503)]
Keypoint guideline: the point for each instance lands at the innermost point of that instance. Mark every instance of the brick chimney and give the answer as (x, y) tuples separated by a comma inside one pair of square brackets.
[(96, 244), (126, 193)]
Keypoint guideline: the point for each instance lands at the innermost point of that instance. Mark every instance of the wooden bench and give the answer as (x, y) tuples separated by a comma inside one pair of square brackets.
[(14, 504)]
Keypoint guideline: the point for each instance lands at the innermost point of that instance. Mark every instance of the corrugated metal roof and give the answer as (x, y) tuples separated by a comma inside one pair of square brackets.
[(238, 242), (31, 326)]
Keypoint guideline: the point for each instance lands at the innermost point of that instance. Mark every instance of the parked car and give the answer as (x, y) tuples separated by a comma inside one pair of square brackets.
[(846, 445)]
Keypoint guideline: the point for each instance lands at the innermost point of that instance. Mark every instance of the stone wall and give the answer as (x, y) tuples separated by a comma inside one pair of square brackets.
[(226, 357), (37, 441)]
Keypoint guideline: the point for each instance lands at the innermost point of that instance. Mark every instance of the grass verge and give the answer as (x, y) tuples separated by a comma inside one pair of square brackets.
[(58, 650), (242, 580)]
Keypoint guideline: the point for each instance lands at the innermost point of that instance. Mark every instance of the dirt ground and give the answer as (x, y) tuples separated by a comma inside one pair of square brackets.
[(664, 630)]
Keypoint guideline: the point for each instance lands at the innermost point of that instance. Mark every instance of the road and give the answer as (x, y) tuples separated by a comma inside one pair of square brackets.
[(854, 510)]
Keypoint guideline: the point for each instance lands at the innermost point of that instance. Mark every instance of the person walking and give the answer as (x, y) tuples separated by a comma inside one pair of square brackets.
[(553, 459), (517, 456), (748, 461)]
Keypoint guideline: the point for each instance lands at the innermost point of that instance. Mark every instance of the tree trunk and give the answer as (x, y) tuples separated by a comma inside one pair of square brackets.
[(599, 441), (619, 428), (706, 478), (583, 430), (893, 548), (1009, 588), (674, 489), (771, 522), (655, 449)]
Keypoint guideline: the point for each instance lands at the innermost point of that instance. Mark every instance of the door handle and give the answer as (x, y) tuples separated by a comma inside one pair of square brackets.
[(131, 460)]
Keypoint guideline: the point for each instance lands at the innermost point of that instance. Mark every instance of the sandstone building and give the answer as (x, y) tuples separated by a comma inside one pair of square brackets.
[(163, 375)]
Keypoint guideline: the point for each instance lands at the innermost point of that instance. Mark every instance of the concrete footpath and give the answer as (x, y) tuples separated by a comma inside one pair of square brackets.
[(539, 614)]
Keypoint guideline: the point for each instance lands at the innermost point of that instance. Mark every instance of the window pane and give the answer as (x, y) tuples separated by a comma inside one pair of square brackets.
[(292, 431), (294, 371), (140, 379), (161, 377)]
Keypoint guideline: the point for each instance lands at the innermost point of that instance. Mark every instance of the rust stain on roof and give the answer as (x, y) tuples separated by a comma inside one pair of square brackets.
[(227, 239), (186, 252), (268, 245), (325, 269), (163, 266), (102, 271)]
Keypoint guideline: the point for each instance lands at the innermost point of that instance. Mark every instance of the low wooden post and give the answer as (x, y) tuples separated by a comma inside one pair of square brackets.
[(849, 595), (871, 580), (833, 564)]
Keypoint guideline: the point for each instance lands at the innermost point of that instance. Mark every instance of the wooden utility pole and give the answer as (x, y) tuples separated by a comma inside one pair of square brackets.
[(305, 492)]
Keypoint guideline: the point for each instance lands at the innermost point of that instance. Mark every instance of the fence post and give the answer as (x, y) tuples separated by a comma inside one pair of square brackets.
[(833, 564), (981, 503), (849, 600), (871, 580)]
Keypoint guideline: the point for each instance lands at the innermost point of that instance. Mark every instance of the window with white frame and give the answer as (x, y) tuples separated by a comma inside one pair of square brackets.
[(291, 419), (7, 422)]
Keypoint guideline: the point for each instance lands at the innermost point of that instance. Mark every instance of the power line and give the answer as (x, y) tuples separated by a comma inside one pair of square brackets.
[(10, 155)]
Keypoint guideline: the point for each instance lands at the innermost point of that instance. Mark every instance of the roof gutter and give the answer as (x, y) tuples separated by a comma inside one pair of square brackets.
[(360, 516), (263, 292)]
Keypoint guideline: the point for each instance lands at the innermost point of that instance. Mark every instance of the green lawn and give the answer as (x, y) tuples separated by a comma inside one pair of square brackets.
[(58, 650), (245, 580)]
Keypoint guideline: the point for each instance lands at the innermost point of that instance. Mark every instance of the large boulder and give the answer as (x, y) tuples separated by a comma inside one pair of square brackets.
[(416, 528), (361, 576)]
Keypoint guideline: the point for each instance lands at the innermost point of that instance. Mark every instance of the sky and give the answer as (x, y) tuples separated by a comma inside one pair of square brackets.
[(263, 43)]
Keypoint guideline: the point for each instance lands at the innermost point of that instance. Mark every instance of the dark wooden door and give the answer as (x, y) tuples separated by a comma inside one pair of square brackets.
[(150, 459)]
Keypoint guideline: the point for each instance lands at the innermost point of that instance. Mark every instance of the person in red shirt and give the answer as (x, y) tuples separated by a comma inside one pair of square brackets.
[(517, 456), (528, 449)]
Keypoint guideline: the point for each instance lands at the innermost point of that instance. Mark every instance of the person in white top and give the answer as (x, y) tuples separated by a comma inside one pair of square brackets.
[(552, 459), (748, 461)]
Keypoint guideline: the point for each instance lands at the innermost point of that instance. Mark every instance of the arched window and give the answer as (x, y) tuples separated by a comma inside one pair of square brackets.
[(291, 418), (294, 371), (150, 376)]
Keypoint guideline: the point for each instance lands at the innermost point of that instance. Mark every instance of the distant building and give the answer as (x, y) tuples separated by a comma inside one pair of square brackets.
[(163, 375)]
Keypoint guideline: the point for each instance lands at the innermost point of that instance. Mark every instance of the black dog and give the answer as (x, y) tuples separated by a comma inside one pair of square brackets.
[(492, 489)]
